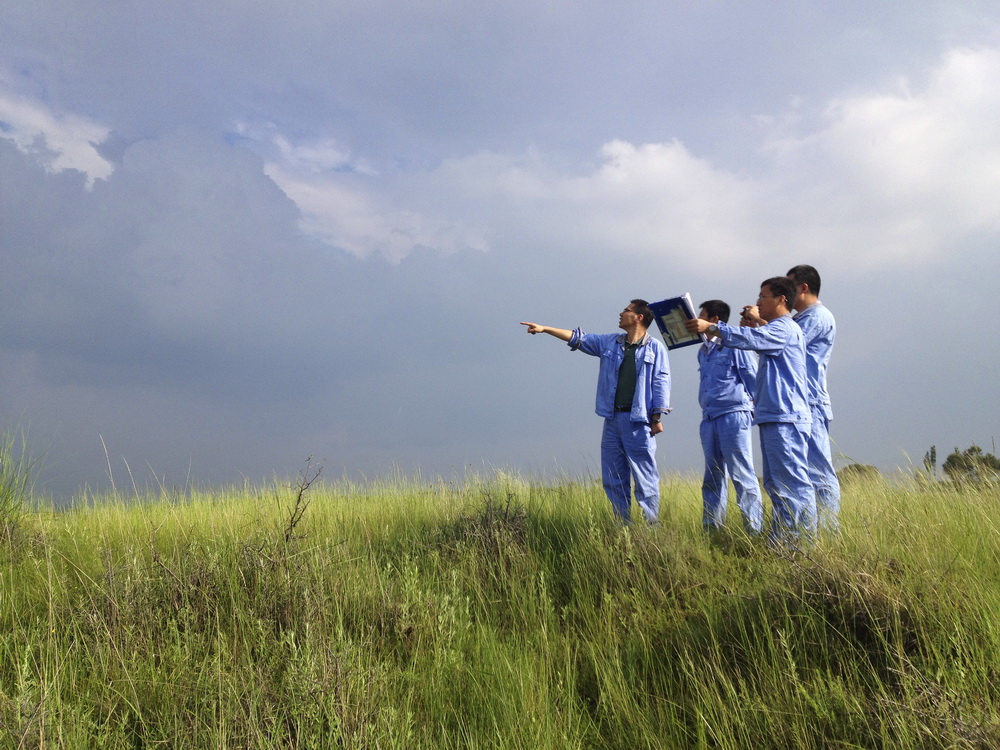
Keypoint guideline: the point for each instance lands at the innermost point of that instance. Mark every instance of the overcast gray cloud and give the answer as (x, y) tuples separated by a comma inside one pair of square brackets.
[(234, 235)]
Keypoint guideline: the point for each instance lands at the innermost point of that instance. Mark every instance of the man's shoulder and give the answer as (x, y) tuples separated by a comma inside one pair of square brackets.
[(792, 326), (815, 313), (656, 344), (821, 311), (604, 338)]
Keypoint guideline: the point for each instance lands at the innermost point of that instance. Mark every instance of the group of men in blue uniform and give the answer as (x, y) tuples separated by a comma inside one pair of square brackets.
[(782, 389), (792, 333)]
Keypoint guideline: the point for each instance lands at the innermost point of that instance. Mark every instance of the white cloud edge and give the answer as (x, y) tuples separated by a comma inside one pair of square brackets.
[(60, 141)]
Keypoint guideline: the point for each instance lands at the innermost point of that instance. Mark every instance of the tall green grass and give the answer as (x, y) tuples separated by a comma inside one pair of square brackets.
[(17, 472), (497, 613)]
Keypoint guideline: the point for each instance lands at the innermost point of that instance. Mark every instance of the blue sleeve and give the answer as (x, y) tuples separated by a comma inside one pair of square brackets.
[(661, 381), (746, 369), (766, 339), (588, 343)]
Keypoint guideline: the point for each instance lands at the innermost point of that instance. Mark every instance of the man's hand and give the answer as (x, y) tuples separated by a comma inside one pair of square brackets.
[(750, 316), (655, 429), (533, 328), (697, 325)]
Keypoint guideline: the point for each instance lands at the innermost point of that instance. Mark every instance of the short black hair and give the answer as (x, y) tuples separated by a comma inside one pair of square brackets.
[(781, 286), (641, 308), (805, 275), (716, 308)]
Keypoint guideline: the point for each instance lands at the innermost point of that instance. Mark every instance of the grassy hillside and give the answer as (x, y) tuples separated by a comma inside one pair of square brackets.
[(496, 614)]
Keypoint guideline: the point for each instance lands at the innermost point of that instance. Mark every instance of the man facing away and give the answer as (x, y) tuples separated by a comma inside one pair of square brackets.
[(819, 330), (727, 380), (781, 405), (633, 394)]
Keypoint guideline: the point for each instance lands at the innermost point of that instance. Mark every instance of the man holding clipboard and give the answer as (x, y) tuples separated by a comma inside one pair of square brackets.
[(781, 401), (727, 381)]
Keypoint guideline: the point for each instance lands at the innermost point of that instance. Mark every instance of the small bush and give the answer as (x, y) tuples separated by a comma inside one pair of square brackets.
[(858, 472), (972, 466)]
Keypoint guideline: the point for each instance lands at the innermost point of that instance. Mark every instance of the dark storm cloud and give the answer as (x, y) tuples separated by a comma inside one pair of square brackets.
[(181, 290)]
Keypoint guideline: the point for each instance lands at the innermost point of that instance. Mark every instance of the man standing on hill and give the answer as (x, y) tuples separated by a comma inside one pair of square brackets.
[(633, 394), (781, 404), (819, 330), (727, 378)]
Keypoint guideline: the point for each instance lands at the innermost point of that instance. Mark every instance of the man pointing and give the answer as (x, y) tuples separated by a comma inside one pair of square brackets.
[(633, 394)]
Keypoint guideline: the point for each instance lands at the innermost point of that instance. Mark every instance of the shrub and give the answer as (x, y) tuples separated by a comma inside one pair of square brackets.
[(856, 472), (972, 466)]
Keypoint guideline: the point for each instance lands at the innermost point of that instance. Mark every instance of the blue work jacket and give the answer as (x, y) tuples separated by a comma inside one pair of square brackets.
[(652, 385), (728, 378), (782, 393)]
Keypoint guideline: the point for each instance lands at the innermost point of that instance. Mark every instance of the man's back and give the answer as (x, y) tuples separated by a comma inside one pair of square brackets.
[(819, 330), (727, 379)]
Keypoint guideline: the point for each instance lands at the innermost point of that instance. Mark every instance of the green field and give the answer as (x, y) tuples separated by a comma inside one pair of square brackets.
[(496, 613)]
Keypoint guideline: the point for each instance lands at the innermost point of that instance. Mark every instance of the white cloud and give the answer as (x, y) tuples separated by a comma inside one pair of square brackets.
[(310, 157), (882, 177), (344, 216), (658, 198), (901, 174), (337, 194), (325, 155), (58, 141)]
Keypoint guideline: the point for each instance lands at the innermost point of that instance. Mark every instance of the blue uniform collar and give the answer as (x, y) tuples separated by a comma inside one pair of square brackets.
[(623, 339)]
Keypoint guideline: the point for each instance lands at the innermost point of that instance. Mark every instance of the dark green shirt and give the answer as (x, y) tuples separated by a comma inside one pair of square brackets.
[(625, 391)]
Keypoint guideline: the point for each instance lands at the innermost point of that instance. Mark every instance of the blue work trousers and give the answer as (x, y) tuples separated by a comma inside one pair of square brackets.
[(728, 448), (784, 448), (822, 474), (627, 453)]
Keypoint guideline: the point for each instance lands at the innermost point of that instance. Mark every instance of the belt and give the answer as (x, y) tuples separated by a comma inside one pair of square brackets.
[(623, 408)]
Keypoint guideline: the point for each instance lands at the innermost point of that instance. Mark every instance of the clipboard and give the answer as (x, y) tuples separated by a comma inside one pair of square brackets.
[(670, 315)]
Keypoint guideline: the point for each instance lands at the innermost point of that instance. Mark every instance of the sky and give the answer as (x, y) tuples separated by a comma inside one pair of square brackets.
[(236, 235)]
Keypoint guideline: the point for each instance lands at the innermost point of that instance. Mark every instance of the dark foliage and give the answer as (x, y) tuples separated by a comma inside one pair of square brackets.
[(972, 466)]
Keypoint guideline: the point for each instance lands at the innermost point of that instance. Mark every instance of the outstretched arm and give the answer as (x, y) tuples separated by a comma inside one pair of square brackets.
[(559, 333), (697, 325)]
